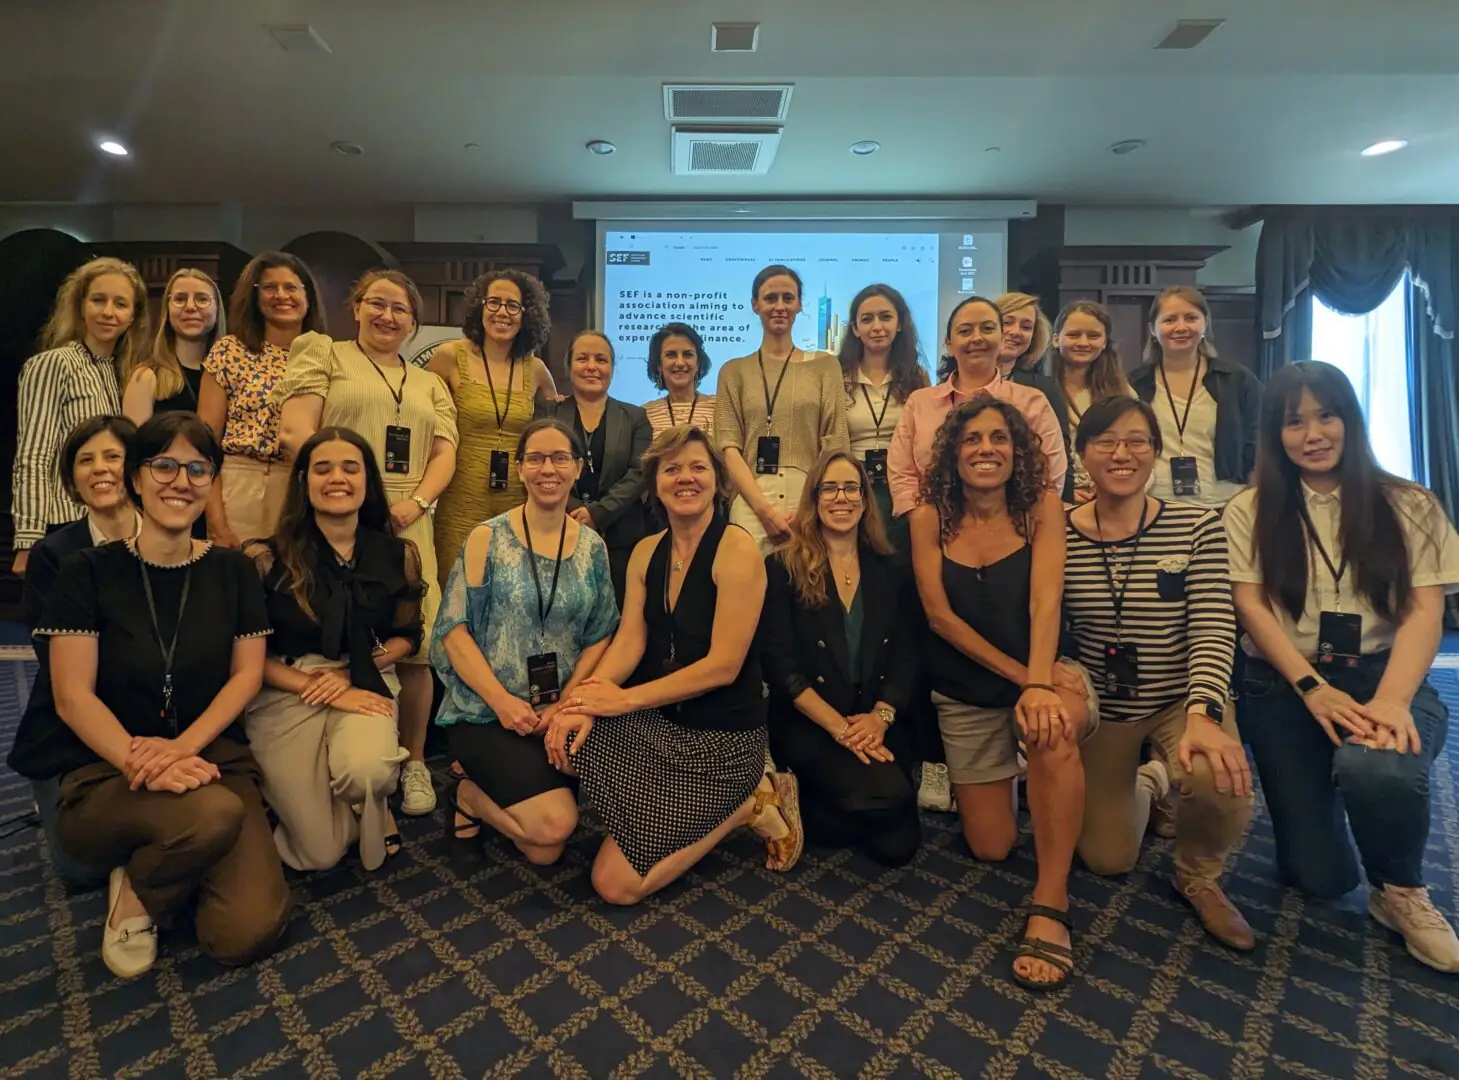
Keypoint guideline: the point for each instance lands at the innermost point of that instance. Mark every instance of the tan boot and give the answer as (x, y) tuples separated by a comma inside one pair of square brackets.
[(1218, 915)]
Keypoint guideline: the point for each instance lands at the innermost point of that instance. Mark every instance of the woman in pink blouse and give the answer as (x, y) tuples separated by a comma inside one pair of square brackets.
[(969, 367)]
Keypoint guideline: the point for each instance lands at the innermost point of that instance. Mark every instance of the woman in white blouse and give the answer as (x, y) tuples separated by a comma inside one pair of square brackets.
[(1340, 572)]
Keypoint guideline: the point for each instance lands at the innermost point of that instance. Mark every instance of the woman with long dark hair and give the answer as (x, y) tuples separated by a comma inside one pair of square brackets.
[(1087, 368), (275, 300), (881, 364), (677, 363), (988, 551), (344, 600), (841, 666), (1340, 572)]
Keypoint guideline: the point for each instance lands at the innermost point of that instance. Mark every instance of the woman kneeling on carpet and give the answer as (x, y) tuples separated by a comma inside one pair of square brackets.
[(676, 761), (156, 647), (1340, 571), (840, 668), (1149, 605), (527, 614), (344, 601)]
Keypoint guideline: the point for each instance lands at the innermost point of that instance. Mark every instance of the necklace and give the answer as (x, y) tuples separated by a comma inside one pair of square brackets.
[(848, 574)]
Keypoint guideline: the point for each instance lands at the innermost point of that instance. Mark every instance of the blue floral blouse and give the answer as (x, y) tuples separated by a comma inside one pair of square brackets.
[(501, 616)]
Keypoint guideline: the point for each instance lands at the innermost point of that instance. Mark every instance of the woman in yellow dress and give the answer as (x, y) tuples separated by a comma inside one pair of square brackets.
[(497, 380)]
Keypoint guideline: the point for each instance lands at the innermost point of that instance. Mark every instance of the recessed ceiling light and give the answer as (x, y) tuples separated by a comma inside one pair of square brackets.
[(1387, 146), (112, 147), (1127, 146), (348, 149), (602, 147), (865, 147)]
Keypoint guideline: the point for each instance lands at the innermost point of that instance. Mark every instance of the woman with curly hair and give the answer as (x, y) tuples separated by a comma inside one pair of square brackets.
[(988, 551), (497, 380)]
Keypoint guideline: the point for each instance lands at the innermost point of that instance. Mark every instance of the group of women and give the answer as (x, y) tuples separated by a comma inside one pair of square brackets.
[(266, 570)]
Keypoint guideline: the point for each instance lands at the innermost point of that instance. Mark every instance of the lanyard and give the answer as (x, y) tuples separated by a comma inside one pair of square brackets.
[(1182, 420), (769, 399), (397, 395), (543, 611), (168, 649), (1118, 594), (587, 437), (886, 403), (1337, 571), (501, 414), (692, 406)]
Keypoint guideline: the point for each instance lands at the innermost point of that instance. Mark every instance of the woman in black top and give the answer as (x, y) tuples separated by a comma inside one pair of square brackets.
[(840, 668), (988, 550), (169, 377), (344, 600), (157, 645), (608, 495), (677, 761)]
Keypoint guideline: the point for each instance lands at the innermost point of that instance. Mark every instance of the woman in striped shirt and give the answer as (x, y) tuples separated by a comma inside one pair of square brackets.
[(99, 317), (1147, 602), (678, 363)]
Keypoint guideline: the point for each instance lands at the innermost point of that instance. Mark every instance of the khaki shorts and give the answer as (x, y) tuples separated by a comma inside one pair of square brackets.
[(982, 744)]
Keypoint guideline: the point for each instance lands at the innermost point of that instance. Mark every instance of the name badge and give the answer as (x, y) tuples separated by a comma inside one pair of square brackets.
[(767, 454), (1184, 480), (1339, 639), (542, 684), (501, 462), (1121, 672), (876, 466), (397, 449)]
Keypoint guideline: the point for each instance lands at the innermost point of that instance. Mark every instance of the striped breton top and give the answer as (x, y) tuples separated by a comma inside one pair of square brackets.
[(1177, 609)]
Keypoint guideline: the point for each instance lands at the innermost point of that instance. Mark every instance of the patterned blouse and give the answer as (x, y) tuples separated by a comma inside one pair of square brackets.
[(501, 615), (252, 424), (662, 414)]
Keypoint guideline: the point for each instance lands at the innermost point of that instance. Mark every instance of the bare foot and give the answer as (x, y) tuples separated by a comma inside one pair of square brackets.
[(128, 906)]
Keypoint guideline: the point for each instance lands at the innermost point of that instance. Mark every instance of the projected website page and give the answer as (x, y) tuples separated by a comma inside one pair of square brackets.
[(703, 278)]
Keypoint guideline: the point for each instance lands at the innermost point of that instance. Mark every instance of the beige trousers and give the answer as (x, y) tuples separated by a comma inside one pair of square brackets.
[(783, 489), (327, 774), (253, 495), (1117, 807)]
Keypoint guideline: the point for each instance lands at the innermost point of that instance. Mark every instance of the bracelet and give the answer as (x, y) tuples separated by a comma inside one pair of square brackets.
[(1040, 686)]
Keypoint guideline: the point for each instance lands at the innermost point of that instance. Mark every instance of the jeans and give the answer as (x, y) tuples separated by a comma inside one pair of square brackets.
[(1311, 785)]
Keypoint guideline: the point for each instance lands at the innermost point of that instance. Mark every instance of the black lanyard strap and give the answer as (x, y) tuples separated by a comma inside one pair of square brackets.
[(886, 403), (1183, 419), (1336, 570), (168, 649), (396, 395), (544, 610), (771, 399), (501, 414), (692, 406), (1117, 593)]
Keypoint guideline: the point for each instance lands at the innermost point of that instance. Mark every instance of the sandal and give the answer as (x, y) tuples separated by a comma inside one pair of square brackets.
[(393, 844), (454, 830), (782, 854), (1058, 956)]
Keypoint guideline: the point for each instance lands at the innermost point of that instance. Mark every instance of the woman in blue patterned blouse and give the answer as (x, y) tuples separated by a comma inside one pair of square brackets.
[(527, 612)]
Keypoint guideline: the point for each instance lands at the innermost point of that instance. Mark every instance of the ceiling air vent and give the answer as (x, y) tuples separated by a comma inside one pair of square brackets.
[(1189, 33), (726, 104), (734, 37), (722, 152)]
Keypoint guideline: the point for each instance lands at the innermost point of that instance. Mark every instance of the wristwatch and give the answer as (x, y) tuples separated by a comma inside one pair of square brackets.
[(425, 507), (1208, 707), (1308, 683), (888, 716)]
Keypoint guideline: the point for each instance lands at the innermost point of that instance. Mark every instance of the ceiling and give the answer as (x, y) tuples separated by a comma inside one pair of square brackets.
[(1272, 108)]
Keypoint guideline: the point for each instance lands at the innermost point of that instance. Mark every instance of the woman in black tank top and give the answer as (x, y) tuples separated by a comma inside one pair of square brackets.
[(988, 551)]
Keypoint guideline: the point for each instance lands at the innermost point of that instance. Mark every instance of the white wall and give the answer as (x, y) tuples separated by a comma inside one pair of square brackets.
[(84, 222), (1235, 267), (455, 223)]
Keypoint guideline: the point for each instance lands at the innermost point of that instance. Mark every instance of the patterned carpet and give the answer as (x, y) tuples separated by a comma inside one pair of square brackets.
[(444, 967)]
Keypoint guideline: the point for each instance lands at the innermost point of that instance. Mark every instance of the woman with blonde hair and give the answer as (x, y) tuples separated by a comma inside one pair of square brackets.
[(1087, 368), (171, 376), (1027, 335), (99, 316)]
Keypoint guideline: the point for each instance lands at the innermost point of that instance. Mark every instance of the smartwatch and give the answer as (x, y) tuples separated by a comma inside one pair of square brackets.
[(1209, 707), (1307, 683)]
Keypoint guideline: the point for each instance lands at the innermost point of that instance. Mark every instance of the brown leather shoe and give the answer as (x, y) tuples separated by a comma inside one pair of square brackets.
[(1162, 817), (1218, 914)]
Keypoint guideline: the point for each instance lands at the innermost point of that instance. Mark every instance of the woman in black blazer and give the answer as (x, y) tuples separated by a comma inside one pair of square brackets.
[(840, 668), (608, 496)]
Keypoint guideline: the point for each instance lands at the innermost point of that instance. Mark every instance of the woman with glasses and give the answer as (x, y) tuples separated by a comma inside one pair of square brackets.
[(407, 417), (527, 615), (275, 300), (678, 363), (841, 667), (614, 435), (988, 551), (156, 647), (171, 378), (1148, 603), (498, 383)]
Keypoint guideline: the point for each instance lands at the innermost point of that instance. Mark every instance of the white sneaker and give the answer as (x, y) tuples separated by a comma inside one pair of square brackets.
[(129, 949), (935, 791), (1411, 913), (417, 790)]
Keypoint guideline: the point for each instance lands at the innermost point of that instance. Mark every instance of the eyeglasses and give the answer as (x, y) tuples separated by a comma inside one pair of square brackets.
[(201, 301), (535, 459), (275, 288), (380, 307), (496, 303), (1135, 444), (165, 469), (828, 491)]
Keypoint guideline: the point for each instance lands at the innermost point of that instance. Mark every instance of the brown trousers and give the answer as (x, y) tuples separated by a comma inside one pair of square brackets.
[(212, 843), (1117, 807)]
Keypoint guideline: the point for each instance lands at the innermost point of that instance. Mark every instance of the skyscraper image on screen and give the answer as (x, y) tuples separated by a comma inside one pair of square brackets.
[(823, 320)]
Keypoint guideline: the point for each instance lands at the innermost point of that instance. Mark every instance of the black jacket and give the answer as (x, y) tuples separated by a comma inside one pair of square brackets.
[(1050, 388), (618, 512), (1238, 404), (805, 648)]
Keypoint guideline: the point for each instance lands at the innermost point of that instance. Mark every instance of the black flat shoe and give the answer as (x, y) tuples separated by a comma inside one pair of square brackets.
[(455, 829)]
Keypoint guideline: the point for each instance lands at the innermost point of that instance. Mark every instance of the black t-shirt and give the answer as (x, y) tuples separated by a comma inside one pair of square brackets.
[(99, 593)]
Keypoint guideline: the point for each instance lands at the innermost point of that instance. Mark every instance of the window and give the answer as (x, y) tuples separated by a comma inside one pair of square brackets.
[(1372, 351)]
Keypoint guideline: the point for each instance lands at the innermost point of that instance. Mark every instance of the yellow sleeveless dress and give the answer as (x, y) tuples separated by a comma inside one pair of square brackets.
[(467, 501)]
